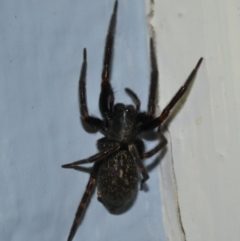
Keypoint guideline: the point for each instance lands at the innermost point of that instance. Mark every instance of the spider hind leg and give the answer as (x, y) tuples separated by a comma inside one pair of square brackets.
[(84, 201)]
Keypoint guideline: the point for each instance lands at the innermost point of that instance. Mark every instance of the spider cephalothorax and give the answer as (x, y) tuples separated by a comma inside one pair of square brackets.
[(121, 151)]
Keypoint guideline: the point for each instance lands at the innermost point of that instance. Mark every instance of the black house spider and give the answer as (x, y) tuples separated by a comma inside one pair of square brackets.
[(115, 169)]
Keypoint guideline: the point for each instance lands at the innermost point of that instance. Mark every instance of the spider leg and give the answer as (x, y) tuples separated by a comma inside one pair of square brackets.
[(134, 97), (95, 158), (134, 152), (85, 200), (157, 148), (163, 116), (144, 117), (106, 99), (82, 169), (154, 81), (92, 121)]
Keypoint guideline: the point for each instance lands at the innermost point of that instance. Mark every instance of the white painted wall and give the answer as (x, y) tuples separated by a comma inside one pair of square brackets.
[(201, 168)]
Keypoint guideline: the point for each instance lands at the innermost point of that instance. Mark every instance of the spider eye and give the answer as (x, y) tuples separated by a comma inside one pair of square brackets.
[(130, 108)]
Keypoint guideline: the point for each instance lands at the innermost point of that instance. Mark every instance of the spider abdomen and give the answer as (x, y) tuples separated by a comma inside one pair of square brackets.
[(117, 180)]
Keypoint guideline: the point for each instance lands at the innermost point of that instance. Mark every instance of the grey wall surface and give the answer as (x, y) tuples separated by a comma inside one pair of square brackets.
[(40, 58)]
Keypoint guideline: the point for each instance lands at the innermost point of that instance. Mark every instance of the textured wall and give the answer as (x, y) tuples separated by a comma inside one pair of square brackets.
[(204, 133)]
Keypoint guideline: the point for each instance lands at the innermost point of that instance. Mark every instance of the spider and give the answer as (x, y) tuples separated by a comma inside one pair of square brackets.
[(121, 151)]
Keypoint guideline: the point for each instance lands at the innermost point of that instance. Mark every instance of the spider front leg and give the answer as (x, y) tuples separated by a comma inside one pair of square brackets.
[(149, 116), (106, 99), (92, 121), (154, 81), (85, 200), (165, 113)]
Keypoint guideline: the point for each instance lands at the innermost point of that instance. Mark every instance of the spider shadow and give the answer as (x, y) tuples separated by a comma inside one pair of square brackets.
[(153, 165), (157, 160), (150, 136)]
